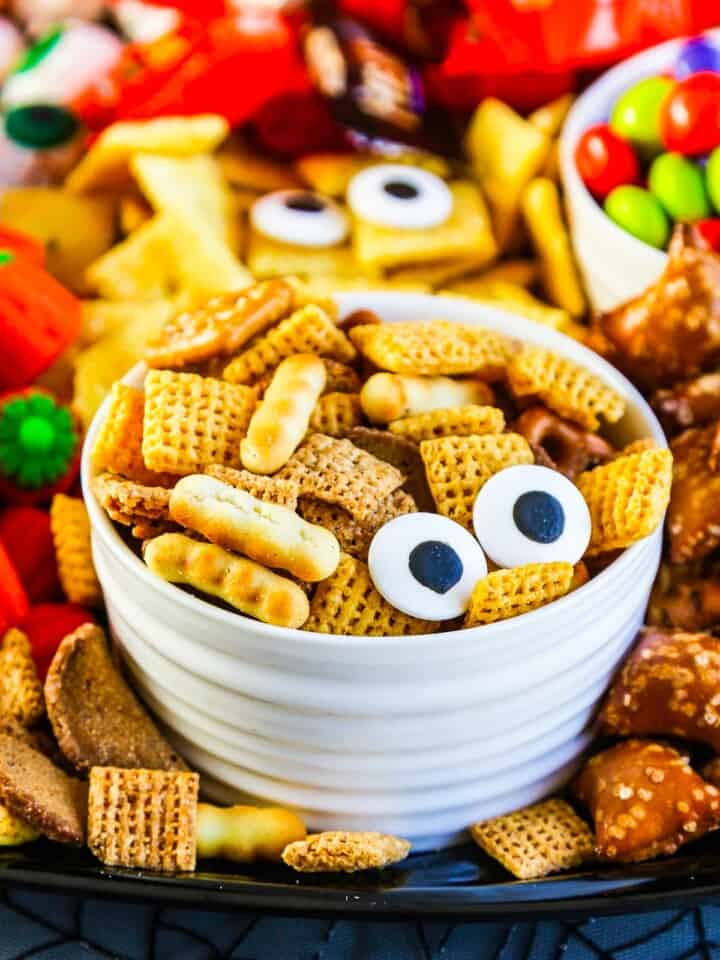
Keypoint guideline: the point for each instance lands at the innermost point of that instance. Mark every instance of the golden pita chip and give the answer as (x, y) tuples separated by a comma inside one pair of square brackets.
[(133, 211), (106, 164), (140, 268), (551, 116), (506, 152), (74, 230), (250, 171), (467, 233), (271, 258)]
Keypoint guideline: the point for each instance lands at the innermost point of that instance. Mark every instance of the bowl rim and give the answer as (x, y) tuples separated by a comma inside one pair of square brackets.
[(599, 93), (522, 329)]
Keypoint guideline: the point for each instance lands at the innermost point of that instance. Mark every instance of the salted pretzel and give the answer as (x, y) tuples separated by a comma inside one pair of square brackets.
[(691, 403), (685, 596), (645, 800), (693, 518), (668, 686), (560, 444)]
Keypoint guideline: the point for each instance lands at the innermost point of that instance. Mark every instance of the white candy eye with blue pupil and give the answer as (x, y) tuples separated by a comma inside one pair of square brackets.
[(300, 217), (426, 565), (400, 196), (531, 514)]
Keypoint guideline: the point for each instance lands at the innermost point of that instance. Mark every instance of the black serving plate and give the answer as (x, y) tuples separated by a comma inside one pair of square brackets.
[(461, 882)]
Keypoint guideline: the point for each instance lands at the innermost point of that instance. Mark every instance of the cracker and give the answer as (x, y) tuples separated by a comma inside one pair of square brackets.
[(536, 841), (14, 831), (269, 489), (400, 453), (266, 257), (307, 330), (105, 165), (458, 467), (345, 852), (95, 716), (465, 235), (243, 584), (71, 536), (510, 593), (336, 414), (118, 446), (627, 498), (437, 347), (21, 695), (131, 503), (569, 389), (337, 471), (192, 421), (348, 603), (355, 537), (221, 325), (141, 267), (143, 818), (450, 422), (41, 794)]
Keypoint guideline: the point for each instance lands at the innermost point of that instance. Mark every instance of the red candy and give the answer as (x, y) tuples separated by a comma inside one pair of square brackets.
[(26, 535), (47, 624), (710, 231), (605, 160), (690, 116), (13, 599)]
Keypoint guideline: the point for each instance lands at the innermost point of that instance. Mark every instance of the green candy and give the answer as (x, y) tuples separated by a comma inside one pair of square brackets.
[(680, 187), (636, 114), (640, 213), (712, 177)]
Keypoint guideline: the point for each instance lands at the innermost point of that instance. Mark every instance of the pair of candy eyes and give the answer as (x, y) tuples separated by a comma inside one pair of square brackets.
[(427, 565), (388, 195)]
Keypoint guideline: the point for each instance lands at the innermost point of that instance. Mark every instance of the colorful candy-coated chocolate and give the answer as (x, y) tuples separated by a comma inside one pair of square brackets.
[(712, 178), (690, 115), (26, 535), (710, 232), (679, 185), (605, 161), (697, 55), (13, 599), (636, 114), (640, 213), (46, 626)]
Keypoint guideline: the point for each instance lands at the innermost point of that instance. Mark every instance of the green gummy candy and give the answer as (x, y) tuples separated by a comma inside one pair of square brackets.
[(636, 114), (679, 185), (640, 213)]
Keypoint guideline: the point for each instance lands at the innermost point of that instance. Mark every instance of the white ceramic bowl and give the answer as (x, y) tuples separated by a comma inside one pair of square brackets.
[(616, 266), (416, 735)]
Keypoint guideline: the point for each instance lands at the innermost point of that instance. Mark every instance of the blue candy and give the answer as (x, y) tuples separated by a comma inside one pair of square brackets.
[(697, 55), (435, 565), (539, 516)]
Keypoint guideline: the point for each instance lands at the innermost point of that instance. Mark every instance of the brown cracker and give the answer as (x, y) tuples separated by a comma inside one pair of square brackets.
[(569, 389), (401, 453), (458, 467), (118, 446), (337, 471), (143, 818), (437, 347), (21, 696), (627, 498), (348, 603), (510, 593), (336, 414), (270, 489), (95, 717), (307, 330), (131, 503), (40, 793), (221, 325), (470, 420), (536, 841), (355, 537), (71, 536), (192, 421), (345, 852)]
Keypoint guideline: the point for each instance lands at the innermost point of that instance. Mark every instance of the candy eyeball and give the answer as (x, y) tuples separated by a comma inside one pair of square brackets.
[(40, 126), (300, 217), (426, 565), (531, 514), (395, 195)]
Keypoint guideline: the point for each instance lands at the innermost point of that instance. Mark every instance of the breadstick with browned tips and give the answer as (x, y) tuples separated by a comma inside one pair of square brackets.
[(390, 396), (281, 420)]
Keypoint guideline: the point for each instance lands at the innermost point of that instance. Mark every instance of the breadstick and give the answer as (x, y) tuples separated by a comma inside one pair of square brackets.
[(390, 396), (245, 834), (243, 584), (281, 420), (266, 532)]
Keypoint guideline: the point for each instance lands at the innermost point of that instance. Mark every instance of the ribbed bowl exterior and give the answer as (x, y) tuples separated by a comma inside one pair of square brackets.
[(419, 736)]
